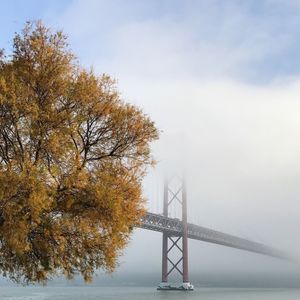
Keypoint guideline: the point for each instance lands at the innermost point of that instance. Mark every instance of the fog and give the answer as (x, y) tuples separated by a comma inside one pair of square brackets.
[(239, 148), (228, 120)]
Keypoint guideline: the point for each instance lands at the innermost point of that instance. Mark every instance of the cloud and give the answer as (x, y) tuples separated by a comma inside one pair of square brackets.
[(195, 39)]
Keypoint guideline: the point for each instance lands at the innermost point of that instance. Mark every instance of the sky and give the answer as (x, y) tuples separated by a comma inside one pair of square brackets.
[(221, 79)]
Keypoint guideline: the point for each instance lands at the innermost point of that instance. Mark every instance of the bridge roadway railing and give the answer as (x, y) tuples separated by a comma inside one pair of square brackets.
[(173, 227)]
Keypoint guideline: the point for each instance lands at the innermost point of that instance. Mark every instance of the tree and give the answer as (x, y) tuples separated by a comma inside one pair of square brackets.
[(72, 157)]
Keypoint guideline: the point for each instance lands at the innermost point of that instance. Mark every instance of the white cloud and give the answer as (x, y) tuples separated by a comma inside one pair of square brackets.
[(196, 39)]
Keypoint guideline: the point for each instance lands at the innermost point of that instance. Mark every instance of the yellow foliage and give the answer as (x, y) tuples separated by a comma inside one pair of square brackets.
[(72, 156)]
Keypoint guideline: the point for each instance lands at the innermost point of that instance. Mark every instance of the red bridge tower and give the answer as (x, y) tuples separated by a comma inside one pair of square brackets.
[(171, 242)]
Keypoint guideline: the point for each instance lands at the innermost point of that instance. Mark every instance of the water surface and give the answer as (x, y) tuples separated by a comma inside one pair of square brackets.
[(142, 293)]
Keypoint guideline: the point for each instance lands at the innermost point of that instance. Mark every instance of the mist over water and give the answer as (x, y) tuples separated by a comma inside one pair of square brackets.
[(238, 147)]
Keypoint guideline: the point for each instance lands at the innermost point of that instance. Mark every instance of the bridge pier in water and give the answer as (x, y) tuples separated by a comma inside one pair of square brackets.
[(170, 242)]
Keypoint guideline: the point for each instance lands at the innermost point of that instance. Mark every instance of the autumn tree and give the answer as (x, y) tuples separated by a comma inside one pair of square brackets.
[(72, 157)]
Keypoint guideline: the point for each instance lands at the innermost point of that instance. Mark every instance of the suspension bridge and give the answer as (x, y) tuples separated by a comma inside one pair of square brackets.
[(176, 232)]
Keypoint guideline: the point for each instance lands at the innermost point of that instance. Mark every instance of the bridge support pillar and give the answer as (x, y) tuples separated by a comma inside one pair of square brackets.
[(185, 266), (164, 273), (164, 276), (169, 197)]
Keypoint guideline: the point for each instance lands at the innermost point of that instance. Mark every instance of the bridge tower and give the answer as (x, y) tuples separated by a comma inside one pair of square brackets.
[(171, 242)]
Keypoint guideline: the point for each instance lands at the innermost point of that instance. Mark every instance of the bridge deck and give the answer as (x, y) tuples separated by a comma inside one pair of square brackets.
[(173, 227)]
